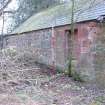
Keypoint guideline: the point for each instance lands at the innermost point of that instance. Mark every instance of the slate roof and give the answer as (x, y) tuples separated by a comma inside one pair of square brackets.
[(60, 15)]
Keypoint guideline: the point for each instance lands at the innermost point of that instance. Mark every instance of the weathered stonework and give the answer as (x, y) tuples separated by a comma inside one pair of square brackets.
[(88, 51), (99, 57), (38, 43)]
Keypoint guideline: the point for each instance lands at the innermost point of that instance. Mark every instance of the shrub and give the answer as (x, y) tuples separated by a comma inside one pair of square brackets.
[(10, 51), (77, 77)]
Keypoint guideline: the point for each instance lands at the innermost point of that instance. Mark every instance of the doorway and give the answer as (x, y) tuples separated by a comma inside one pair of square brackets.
[(69, 46)]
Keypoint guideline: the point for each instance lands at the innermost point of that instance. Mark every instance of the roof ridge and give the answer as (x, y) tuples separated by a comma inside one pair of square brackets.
[(59, 15)]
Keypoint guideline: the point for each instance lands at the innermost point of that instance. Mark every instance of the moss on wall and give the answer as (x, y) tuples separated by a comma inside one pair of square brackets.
[(99, 59)]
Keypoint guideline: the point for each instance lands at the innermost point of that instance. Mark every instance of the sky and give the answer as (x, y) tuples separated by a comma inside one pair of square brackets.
[(12, 6)]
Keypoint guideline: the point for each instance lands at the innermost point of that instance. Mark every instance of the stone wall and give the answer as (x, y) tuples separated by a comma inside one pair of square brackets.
[(85, 65), (99, 57), (42, 45), (89, 48), (38, 43), (91, 60)]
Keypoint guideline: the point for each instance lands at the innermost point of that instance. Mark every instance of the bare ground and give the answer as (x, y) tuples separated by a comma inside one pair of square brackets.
[(34, 85)]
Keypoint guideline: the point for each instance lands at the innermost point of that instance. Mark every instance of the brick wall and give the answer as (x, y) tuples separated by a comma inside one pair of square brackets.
[(38, 43), (99, 57), (89, 62)]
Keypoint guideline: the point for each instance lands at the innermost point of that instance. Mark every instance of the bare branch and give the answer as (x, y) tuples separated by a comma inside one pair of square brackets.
[(9, 12), (83, 10), (5, 5)]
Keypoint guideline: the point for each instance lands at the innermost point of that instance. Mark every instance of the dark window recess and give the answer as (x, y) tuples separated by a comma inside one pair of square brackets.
[(76, 31), (6, 41), (68, 41), (69, 31)]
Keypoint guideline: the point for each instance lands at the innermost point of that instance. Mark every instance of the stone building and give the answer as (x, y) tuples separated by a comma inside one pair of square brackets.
[(47, 35)]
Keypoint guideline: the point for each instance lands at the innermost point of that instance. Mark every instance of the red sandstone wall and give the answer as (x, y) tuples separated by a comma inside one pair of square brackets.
[(40, 43), (83, 48)]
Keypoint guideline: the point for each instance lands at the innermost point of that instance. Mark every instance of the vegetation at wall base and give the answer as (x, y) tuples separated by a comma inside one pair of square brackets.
[(69, 67), (77, 77)]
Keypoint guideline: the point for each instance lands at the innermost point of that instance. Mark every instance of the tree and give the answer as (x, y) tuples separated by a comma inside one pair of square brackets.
[(72, 33), (4, 4), (29, 7)]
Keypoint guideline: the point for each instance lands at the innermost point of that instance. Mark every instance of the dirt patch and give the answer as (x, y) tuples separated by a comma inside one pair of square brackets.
[(37, 85)]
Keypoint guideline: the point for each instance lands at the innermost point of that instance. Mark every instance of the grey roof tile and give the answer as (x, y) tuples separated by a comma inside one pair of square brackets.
[(60, 15)]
